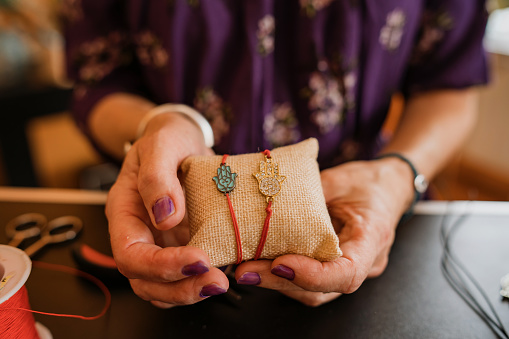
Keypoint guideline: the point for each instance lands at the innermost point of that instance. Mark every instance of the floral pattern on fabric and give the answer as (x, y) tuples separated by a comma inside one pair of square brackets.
[(99, 57), (150, 50), (265, 35), (215, 110), (216, 54), (313, 6), (280, 126), (434, 27), (391, 33), (329, 95)]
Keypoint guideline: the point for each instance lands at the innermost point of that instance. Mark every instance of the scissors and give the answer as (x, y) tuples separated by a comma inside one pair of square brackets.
[(32, 225)]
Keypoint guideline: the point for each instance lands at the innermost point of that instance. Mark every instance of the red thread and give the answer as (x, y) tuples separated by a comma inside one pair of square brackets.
[(224, 159), (234, 220), (20, 304), (265, 231), (267, 153), (236, 229), (16, 323)]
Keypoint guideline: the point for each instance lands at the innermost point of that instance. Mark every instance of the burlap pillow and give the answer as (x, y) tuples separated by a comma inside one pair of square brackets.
[(300, 223)]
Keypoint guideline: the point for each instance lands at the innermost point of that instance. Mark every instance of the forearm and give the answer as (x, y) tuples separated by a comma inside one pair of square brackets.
[(115, 119), (433, 127)]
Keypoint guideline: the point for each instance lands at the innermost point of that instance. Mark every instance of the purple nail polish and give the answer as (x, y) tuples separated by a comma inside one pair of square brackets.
[(283, 272), (210, 290), (196, 268), (162, 209), (249, 278)]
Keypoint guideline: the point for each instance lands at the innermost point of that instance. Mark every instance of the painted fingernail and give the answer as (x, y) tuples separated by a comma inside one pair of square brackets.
[(162, 209), (249, 278), (283, 272), (196, 268), (210, 290)]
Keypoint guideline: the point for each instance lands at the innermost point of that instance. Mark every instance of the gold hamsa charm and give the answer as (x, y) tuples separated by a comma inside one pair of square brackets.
[(269, 178)]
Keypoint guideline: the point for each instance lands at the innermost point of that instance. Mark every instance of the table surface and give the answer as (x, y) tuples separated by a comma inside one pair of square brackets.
[(410, 300)]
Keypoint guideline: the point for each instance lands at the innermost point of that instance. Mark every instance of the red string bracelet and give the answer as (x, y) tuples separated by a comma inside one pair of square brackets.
[(269, 184), (225, 182), (265, 231)]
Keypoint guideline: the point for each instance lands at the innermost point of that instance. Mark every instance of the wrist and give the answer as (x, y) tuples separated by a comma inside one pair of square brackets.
[(397, 177), (176, 130), (408, 173), (159, 117), (169, 123), (189, 113)]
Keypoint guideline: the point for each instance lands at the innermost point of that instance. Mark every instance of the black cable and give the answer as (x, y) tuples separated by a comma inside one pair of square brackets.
[(452, 260), (459, 278), (461, 287)]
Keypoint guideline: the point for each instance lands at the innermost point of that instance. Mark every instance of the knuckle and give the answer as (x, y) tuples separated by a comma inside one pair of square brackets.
[(354, 285), (314, 284), (185, 294), (144, 144), (160, 271), (379, 267), (183, 299), (386, 235), (164, 275), (138, 290), (351, 289), (147, 180), (124, 270)]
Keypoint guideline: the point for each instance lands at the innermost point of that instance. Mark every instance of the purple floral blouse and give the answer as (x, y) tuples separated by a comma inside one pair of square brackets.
[(267, 73)]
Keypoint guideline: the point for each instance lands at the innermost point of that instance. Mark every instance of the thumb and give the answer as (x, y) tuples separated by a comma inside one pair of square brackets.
[(160, 155), (159, 186), (168, 140)]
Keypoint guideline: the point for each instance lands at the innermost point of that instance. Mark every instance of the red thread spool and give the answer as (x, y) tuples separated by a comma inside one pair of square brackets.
[(15, 267)]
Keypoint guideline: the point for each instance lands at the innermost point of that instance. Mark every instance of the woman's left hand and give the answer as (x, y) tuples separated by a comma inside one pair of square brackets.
[(365, 200)]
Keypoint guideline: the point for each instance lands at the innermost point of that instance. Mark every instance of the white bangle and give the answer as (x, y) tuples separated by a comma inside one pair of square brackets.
[(190, 113)]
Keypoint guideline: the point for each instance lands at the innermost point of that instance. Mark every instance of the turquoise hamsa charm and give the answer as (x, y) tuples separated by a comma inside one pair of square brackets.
[(225, 180)]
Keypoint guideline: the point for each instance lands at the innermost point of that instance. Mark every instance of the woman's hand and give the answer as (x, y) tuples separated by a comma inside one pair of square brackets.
[(146, 214), (365, 201)]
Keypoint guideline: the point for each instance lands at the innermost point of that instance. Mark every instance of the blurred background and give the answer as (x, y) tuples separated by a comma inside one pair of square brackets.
[(40, 145)]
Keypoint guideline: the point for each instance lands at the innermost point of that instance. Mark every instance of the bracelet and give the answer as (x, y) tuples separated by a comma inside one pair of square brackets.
[(420, 183), (190, 113)]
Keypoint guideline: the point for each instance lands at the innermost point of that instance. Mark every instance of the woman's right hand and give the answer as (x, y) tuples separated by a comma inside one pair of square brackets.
[(146, 214)]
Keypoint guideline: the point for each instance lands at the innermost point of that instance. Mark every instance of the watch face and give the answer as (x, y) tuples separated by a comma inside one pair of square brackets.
[(420, 183)]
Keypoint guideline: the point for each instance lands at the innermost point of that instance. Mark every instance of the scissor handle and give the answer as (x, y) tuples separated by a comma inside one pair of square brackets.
[(71, 221), (47, 237), (17, 234)]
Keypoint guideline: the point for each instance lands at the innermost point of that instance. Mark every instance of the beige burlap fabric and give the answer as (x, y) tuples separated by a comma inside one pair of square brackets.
[(300, 223)]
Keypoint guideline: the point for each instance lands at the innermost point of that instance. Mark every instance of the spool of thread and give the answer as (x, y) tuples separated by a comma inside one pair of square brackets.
[(15, 267)]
